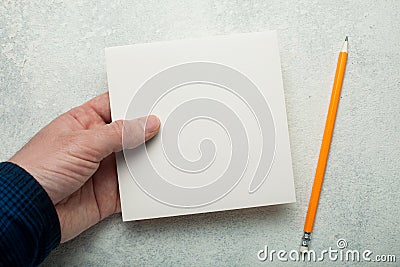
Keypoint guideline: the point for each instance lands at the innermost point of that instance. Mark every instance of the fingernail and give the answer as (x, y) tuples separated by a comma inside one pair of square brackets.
[(152, 124)]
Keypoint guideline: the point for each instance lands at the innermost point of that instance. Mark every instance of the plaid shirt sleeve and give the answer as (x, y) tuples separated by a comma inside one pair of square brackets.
[(29, 226)]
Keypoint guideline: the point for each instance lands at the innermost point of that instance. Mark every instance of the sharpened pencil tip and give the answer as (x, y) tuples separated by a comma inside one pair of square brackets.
[(347, 39)]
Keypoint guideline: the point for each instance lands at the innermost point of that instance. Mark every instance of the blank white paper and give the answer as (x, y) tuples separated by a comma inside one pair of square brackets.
[(224, 141)]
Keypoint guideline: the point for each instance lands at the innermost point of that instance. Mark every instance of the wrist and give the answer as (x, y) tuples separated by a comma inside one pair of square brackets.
[(36, 175)]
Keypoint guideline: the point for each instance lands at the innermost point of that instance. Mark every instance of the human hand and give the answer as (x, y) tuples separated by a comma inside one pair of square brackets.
[(73, 160)]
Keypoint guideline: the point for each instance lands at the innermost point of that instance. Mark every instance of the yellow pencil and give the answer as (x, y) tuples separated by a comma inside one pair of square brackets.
[(325, 146)]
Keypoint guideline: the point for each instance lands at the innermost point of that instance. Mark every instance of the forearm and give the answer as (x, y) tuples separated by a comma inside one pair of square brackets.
[(29, 225)]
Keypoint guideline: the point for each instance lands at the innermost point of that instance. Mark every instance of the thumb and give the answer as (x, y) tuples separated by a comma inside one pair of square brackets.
[(124, 134)]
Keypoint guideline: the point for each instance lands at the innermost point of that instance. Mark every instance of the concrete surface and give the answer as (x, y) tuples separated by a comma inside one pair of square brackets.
[(52, 58)]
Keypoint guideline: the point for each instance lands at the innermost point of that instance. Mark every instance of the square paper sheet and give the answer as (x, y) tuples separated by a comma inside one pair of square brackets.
[(224, 140)]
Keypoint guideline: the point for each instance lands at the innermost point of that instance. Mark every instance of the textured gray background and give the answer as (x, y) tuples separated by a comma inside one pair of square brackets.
[(52, 58)]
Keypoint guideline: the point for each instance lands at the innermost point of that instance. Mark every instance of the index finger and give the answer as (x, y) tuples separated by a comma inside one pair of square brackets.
[(101, 105)]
